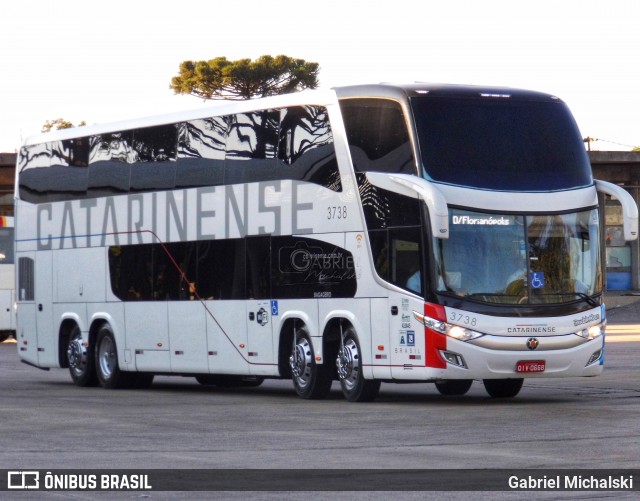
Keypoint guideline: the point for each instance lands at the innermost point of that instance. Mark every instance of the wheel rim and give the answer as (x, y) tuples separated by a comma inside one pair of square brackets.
[(348, 364), (106, 357), (301, 361), (77, 355)]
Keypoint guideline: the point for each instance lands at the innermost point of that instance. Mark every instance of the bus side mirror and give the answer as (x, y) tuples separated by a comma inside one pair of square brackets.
[(629, 207), (417, 187)]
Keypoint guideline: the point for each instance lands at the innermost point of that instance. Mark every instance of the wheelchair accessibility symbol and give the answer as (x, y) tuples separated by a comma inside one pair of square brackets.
[(536, 280)]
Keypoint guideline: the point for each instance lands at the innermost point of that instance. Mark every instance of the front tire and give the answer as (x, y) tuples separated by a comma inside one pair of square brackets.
[(349, 362), (310, 380), (503, 388), (80, 360), (106, 361)]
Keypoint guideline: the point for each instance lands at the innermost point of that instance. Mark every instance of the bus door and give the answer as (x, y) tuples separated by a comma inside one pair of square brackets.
[(35, 336), (259, 336), (27, 333), (405, 333), (407, 342)]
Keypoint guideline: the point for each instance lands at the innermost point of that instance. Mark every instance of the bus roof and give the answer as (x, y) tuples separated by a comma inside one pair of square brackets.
[(398, 91), (307, 97), (220, 108)]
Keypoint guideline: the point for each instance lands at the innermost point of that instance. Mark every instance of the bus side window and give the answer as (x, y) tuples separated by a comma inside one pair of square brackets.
[(6, 245), (26, 282), (201, 146), (154, 158), (221, 269), (258, 267), (397, 257), (305, 147), (405, 261), (251, 147), (35, 175), (385, 209), (109, 163), (378, 136), (131, 271), (380, 250)]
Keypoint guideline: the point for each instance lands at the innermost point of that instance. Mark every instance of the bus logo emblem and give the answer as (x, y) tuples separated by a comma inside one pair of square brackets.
[(532, 343)]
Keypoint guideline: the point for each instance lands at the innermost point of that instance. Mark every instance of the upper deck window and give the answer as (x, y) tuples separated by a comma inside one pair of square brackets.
[(500, 144), (377, 134)]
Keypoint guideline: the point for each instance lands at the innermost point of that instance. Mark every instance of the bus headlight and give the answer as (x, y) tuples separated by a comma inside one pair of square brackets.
[(463, 334), (443, 327), (592, 332)]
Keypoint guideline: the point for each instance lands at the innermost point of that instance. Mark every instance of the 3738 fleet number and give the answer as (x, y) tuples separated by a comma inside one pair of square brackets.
[(337, 212), (461, 318)]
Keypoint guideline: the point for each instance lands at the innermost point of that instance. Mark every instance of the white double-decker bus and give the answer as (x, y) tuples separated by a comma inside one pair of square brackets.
[(7, 279), (366, 234)]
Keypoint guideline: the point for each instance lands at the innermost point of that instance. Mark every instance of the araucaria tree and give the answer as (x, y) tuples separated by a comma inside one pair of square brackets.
[(59, 124), (220, 78)]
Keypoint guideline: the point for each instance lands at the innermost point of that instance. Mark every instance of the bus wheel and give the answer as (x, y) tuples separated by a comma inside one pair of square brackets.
[(109, 374), (81, 365), (503, 388), (454, 386), (310, 380), (349, 363)]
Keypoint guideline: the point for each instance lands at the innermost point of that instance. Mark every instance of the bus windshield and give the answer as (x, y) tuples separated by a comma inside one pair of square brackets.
[(500, 144), (516, 259)]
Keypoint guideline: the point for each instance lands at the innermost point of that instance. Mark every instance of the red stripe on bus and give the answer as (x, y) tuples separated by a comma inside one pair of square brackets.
[(434, 341)]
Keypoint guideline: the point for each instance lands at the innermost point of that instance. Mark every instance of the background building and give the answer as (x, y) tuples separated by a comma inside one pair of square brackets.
[(7, 177), (622, 258)]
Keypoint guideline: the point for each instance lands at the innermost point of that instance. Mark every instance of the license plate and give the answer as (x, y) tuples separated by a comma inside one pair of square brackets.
[(529, 366)]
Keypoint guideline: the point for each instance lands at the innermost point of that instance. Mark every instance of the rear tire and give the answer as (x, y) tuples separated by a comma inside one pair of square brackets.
[(106, 361), (503, 388), (80, 360), (349, 363), (454, 387), (310, 380)]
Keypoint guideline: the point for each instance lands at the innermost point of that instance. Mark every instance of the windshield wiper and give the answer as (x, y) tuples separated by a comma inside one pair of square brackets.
[(590, 301), (585, 297), (490, 294)]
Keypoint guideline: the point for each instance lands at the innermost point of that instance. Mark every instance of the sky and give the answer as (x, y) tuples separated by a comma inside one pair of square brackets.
[(109, 61)]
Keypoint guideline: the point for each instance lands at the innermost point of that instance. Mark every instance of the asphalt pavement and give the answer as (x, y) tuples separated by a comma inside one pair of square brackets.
[(623, 308)]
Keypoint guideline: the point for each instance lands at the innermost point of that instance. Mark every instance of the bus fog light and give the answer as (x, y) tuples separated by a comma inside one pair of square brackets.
[(454, 358), (594, 358)]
